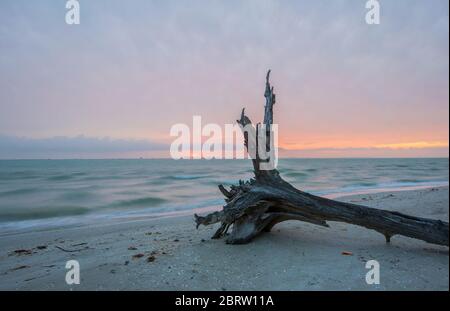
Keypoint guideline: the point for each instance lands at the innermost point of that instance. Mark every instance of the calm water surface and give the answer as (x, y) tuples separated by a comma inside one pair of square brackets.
[(43, 193)]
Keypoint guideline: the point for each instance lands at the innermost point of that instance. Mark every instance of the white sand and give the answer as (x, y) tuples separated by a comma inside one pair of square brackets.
[(295, 256)]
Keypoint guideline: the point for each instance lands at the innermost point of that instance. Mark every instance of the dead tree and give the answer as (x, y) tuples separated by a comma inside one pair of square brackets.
[(256, 205)]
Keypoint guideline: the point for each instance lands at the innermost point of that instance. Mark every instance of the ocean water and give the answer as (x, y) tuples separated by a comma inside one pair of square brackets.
[(40, 194)]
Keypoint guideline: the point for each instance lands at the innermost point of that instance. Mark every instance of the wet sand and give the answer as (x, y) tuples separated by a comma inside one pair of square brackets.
[(170, 254)]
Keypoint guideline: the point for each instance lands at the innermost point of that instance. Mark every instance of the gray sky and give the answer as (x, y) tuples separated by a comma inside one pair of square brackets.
[(132, 69)]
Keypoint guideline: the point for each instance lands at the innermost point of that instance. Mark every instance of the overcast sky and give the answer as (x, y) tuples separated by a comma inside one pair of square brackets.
[(134, 68)]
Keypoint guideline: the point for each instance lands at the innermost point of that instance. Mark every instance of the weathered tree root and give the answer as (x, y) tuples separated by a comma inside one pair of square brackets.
[(257, 205)]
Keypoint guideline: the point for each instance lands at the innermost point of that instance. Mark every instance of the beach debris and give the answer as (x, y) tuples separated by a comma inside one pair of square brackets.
[(71, 250), (256, 205), (19, 268), (20, 252), (136, 256), (151, 258), (132, 248), (347, 253)]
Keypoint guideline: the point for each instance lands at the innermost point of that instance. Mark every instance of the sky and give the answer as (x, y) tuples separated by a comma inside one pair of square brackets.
[(114, 85)]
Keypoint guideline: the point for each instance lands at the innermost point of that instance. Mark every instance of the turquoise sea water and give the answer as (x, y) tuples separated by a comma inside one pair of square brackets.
[(43, 193)]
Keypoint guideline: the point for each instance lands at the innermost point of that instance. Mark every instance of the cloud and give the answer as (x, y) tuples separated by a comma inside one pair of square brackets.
[(415, 145), (132, 70), (79, 146), (12, 147), (369, 152), (336, 145)]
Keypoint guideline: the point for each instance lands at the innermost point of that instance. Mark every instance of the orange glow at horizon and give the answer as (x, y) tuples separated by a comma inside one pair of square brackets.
[(346, 145)]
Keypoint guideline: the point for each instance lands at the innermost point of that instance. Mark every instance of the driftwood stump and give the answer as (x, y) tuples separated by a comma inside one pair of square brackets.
[(256, 205)]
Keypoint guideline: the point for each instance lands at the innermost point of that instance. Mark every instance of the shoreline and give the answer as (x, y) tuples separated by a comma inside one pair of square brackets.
[(170, 254), (45, 224)]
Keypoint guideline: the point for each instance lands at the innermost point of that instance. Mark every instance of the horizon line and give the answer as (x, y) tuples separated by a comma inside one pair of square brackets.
[(202, 159)]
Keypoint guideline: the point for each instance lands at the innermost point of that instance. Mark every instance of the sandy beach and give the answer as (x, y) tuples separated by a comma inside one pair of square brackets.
[(170, 254)]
